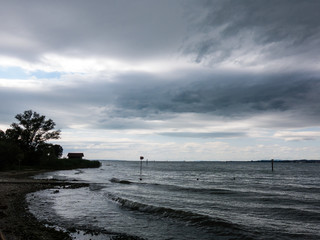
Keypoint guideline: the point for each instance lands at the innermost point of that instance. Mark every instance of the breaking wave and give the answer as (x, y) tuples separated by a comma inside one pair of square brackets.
[(217, 225)]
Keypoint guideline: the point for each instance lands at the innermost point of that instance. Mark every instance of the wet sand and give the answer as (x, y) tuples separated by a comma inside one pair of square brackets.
[(16, 223)]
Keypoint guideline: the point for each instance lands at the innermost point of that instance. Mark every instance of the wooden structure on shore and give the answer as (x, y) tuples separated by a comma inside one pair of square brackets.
[(75, 155)]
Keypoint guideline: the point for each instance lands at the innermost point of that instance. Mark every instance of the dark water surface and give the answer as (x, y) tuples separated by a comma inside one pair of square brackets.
[(188, 200)]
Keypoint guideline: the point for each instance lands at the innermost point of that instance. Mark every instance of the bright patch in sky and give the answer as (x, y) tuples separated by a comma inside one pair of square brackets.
[(20, 73), (42, 74), (13, 73)]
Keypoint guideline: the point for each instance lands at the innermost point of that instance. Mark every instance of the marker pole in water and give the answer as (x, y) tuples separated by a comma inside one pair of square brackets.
[(272, 164), (141, 158)]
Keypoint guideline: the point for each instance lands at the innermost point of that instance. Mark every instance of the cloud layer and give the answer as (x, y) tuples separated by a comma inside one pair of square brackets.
[(211, 80), (255, 33)]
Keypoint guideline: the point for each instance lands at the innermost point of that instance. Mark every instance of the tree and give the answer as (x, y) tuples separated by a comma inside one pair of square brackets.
[(10, 152), (58, 150), (2, 135), (52, 150), (30, 134), (32, 130)]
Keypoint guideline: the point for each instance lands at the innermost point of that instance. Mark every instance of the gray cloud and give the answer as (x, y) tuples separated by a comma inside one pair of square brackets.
[(204, 135), (116, 29), (135, 97), (225, 95), (213, 30), (209, 31), (224, 74), (272, 30)]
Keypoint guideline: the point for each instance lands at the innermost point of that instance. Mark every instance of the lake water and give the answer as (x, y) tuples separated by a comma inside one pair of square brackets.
[(187, 200)]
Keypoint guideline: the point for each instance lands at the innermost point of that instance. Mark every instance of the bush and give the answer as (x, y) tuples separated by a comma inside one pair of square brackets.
[(10, 154), (65, 164)]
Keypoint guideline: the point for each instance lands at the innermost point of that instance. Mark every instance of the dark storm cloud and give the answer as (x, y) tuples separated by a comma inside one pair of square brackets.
[(274, 29), (224, 94), (132, 97), (238, 95)]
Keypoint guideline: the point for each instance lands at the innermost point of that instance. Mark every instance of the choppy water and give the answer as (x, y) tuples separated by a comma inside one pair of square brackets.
[(189, 200)]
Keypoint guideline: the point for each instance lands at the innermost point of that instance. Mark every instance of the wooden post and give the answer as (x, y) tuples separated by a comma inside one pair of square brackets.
[(272, 164), (141, 158)]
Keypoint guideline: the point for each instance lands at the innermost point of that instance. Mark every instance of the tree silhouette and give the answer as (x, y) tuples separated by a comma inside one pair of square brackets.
[(32, 130), (30, 135), (25, 144)]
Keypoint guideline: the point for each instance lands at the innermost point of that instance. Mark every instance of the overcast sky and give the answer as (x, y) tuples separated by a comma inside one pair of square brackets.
[(169, 79)]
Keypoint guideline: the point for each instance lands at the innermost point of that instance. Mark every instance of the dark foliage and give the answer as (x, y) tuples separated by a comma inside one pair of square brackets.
[(25, 142), (24, 145), (10, 154), (65, 164), (32, 130)]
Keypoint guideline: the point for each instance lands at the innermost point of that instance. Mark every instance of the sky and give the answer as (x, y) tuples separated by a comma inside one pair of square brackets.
[(169, 80)]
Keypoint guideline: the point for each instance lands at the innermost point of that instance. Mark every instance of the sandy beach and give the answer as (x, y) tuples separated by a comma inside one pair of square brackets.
[(16, 223)]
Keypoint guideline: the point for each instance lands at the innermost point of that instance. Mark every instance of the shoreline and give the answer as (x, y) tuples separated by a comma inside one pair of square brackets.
[(16, 222)]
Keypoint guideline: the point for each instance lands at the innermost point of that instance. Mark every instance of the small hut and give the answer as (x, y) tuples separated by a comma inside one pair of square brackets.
[(75, 155)]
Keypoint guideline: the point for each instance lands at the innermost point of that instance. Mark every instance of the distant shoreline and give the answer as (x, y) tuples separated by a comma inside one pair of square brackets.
[(289, 161), (216, 161)]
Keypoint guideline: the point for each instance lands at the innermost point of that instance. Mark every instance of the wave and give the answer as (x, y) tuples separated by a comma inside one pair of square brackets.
[(96, 186), (177, 188), (220, 226), (295, 214), (79, 171), (198, 190), (195, 190), (116, 180)]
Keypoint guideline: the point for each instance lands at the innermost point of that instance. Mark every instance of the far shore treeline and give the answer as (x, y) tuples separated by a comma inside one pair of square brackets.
[(24, 146)]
